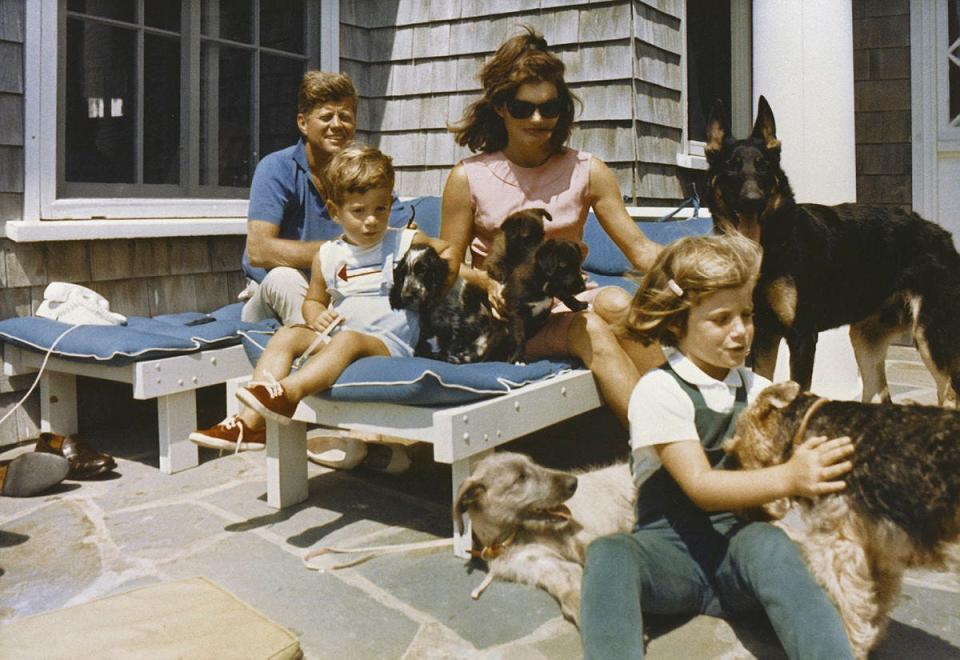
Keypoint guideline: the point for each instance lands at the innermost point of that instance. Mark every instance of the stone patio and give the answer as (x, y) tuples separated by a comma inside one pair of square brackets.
[(90, 539)]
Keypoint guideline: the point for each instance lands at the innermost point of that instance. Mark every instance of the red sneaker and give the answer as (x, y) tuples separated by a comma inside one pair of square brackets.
[(231, 433), (269, 399)]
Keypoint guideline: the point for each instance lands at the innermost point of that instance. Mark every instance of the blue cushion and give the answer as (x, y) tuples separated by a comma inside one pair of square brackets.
[(140, 339), (421, 381), (606, 258), (425, 212)]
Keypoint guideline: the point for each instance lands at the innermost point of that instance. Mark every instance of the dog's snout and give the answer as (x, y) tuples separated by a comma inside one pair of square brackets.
[(751, 191), (570, 484)]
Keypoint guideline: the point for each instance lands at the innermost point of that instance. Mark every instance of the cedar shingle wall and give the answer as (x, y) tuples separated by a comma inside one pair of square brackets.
[(416, 64), (11, 109), (881, 56)]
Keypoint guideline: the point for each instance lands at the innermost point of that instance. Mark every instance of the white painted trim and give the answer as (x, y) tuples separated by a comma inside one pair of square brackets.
[(741, 66), (126, 208), (941, 41), (922, 111), (32, 65), (330, 35), (85, 230), (691, 162), (654, 212)]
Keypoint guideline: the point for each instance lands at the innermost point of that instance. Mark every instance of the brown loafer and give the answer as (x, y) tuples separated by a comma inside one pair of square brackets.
[(85, 461), (31, 474)]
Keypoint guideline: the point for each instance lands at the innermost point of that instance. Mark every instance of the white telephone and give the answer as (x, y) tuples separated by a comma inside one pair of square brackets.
[(71, 303)]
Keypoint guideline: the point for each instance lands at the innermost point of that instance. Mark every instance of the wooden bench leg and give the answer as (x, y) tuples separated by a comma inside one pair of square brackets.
[(286, 464), (58, 403), (176, 419), (459, 471)]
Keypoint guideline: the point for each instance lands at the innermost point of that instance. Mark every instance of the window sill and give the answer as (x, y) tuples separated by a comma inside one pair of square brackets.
[(20, 231), (690, 162)]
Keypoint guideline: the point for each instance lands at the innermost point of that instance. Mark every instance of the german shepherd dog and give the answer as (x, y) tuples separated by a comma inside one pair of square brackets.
[(881, 270)]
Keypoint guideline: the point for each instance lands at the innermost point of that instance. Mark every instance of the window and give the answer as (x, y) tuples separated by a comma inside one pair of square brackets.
[(127, 121), (953, 60), (717, 48), (162, 108)]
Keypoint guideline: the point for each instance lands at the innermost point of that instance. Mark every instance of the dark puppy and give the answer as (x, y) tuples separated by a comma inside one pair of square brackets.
[(520, 234), (881, 270), (418, 280), (553, 271), (462, 328), (901, 506)]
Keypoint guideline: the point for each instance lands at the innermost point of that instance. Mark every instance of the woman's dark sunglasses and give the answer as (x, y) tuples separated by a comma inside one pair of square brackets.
[(524, 109)]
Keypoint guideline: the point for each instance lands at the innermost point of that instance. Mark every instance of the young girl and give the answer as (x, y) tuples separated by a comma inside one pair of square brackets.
[(348, 299), (688, 554)]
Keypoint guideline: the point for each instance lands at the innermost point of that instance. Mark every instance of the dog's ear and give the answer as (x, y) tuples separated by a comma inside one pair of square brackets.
[(782, 395), (717, 129), (545, 214), (469, 494), (765, 127), (399, 274)]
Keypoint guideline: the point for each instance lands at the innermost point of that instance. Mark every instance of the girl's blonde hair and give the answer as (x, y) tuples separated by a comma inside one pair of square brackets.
[(684, 273), (357, 168), (519, 60)]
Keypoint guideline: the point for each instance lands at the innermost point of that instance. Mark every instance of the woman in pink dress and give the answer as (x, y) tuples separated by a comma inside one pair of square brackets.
[(519, 126)]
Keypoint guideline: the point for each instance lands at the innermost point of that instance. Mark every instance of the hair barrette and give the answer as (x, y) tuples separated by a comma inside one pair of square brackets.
[(675, 288)]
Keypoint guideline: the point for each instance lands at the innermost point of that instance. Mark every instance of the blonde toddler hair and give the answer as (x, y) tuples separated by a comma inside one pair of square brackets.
[(684, 272), (357, 168)]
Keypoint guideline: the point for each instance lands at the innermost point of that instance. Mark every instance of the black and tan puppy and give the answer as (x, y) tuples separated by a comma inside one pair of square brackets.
[(519, 236), (883, 271), (901, 506), (553, 271)]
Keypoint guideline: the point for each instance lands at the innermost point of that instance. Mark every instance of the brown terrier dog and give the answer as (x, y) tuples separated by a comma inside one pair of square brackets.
[(901, 506)]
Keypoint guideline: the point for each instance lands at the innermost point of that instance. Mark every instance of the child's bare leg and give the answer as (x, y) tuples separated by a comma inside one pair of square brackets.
[(322, 370), (278, 356)]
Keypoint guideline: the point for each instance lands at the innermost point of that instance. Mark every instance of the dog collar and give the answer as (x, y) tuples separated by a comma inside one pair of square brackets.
[(802, 430), (494, 550)]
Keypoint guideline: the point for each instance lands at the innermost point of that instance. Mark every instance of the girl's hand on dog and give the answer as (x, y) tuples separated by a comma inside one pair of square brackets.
[(816, 464), (324, 319)]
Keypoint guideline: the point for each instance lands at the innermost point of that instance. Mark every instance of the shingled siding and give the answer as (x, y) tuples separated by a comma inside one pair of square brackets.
[(416, 66), (881, 56)]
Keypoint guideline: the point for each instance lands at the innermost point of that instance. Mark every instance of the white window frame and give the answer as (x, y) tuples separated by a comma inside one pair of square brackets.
[(691, 154), (47, 217), (930, 105)]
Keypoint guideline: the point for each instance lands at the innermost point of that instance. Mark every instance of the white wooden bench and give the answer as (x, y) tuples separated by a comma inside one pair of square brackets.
[(461, 435), (172, 381)]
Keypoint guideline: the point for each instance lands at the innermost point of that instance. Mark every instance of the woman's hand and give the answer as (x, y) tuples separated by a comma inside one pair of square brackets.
[(816, 464), (495, 295), (324, 319)]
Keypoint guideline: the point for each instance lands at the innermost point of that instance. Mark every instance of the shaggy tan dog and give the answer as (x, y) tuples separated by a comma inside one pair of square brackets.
[(901, 507), (533, 524)]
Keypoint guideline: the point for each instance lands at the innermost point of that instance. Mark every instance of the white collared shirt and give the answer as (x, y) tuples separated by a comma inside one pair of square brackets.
[(660, 412)]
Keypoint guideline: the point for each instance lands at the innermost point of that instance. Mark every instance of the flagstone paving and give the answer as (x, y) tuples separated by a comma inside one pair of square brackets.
[(140, 527)]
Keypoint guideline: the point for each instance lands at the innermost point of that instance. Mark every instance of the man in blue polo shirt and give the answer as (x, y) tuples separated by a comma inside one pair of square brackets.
[(287, 219)]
